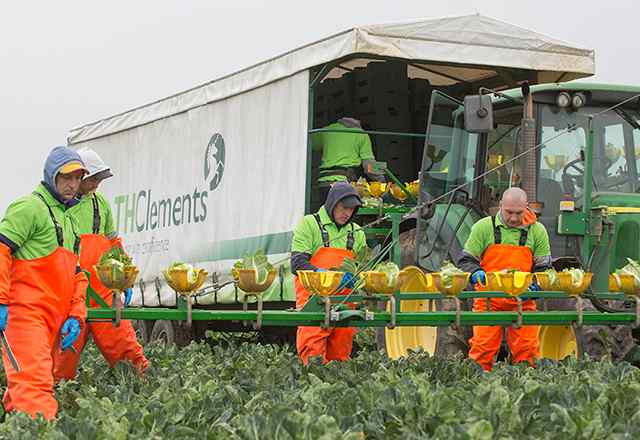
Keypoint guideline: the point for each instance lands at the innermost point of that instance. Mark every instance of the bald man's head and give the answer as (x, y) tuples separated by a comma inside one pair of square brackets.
[(513, 207)]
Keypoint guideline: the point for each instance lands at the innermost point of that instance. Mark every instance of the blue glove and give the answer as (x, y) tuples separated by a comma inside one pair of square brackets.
[(70, 331), (534, 287), (4, 315), (348, 281), (128, 293), (479, 276)]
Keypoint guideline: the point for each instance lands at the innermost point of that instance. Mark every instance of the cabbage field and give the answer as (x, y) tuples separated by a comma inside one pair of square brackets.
[(240, 390)]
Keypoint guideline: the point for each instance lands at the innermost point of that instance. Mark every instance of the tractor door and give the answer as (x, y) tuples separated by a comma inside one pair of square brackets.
[(450, 159)]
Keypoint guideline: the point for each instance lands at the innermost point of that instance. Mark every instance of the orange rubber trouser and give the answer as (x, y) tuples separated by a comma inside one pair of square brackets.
[(332, 343), (523, 342), (486, 340), (115, 343), (44, 293)]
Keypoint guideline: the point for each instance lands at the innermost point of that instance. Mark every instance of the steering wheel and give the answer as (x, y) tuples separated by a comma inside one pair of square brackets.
[(570, 180)]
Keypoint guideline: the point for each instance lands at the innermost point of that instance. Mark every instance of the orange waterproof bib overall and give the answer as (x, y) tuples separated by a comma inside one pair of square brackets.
[(330, 343), (115, 343), (486, 340), (41, 294)]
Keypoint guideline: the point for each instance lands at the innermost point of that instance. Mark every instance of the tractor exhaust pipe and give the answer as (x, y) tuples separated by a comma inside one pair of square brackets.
[(528, 142)]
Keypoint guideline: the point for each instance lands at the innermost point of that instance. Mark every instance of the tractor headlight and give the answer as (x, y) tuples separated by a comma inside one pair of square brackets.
[(563, 100), (578, 100)]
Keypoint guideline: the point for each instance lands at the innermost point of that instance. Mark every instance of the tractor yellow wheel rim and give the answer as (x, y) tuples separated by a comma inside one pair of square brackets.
[(557, 342), (400, 340)]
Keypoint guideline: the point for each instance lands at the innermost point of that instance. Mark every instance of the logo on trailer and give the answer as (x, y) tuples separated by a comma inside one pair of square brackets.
[(214, 161)]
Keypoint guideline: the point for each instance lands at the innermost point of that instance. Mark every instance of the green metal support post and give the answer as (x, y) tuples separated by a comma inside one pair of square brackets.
[(587, 242), (307, 200), (396, 218)]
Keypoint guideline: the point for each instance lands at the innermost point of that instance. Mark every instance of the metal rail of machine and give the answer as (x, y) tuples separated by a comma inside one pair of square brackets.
[(364, 311)]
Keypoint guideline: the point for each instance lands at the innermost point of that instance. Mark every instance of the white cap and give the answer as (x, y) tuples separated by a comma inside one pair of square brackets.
[(94, 164)]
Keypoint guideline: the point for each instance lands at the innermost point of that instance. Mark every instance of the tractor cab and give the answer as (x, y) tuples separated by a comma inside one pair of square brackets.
[(580, 148)]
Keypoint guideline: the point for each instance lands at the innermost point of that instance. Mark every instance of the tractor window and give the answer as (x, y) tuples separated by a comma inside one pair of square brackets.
[(614, 149), (618, 168), (449, 156), (561, 163), (501, 148)]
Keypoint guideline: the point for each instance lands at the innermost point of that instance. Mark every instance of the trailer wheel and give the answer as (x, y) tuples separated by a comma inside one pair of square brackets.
[(172, 332), (143, 330), (597, 341)]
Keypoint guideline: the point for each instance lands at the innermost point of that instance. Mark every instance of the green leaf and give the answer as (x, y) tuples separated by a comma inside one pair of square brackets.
[(259, 262), (115, 254)]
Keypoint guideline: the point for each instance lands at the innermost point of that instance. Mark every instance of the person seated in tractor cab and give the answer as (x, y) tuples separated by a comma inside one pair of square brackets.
[(322, 241), (345, 156), (513, 239)]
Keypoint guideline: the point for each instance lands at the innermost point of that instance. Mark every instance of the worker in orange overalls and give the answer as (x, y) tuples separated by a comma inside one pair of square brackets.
[(321, 242), (513, 239), (42, 289), (98, 235)]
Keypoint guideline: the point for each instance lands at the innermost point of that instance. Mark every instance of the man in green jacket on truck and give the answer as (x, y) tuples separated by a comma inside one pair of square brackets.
[(345, 156)]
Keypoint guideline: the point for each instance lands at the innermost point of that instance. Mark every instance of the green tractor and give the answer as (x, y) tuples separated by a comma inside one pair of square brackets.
[(575, 149)]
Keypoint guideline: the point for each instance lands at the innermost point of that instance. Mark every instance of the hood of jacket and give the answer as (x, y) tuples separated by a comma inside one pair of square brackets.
[(58, 158), (339, 191)]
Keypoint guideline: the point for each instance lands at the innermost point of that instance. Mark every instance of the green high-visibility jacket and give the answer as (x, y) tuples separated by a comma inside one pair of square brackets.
[(343, 150), (307, 237), (27, 225), (83, 214)]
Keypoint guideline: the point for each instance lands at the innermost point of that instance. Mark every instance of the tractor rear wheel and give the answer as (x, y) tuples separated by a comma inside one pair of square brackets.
[(437, 341), (597, 341)]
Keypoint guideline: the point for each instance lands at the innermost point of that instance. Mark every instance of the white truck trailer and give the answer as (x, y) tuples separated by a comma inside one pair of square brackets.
[(225, 168)]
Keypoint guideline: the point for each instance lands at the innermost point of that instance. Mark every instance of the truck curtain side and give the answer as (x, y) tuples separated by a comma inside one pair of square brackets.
[(211, 184)]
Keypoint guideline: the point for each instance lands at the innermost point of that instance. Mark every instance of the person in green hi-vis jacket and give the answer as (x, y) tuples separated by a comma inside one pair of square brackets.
[(97, 236), (42, 289), (345, 156)]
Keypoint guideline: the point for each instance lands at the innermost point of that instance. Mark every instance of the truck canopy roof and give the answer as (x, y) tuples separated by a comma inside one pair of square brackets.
[(466, 49)]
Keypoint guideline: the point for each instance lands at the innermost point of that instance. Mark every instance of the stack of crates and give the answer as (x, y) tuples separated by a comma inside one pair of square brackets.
[(334, 99), (382, 103), (383, 98)]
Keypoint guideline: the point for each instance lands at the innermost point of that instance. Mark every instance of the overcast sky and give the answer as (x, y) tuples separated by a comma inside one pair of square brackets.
[(69, 62)]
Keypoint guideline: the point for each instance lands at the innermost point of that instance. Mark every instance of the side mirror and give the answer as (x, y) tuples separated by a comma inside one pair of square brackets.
[(478, 113)]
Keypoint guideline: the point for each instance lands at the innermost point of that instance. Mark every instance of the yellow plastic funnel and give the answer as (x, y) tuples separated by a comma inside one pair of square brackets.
[(543, 280), (116, 280), (453, 288), (625, 283), (320, 283), (566, 284), (248, 280), (378, 282), (511, 283), (377, 189), (178, 280)]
